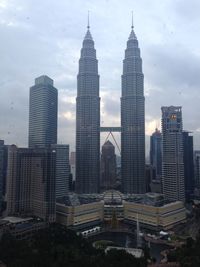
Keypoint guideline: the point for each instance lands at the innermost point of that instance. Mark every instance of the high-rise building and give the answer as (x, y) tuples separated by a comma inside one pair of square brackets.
[(156, 154), (132, 120), (31, 182), (5, 162), (43, 105), (88, 120), (149, 175), (1, 172), (172, 147), (108, 167), (72, 162), (197, 168), (62, 169), (188, 164)]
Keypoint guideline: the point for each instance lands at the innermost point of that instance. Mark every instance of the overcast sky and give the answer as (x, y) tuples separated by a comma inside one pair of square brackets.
[(45, 37)]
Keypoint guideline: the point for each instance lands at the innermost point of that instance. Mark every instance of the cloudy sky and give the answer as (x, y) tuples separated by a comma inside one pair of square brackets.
[(45, 37)]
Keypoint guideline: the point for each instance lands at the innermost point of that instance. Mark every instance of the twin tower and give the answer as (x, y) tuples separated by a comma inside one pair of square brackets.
[(88, 120)]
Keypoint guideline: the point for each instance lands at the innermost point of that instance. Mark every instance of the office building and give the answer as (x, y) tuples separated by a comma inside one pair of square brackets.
[(62, 169), (31, 182), (156, 154), (43, 105), (108, 167), (149, 175), (72, 162), (172, 146), (197, 168), (88, 120), (188, 164), (132, 120)]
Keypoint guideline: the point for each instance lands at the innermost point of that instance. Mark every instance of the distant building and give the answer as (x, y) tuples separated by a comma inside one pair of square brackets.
[(132, 120), (72, 162), (172, 146), (188, 164), (156, 186), (31, 182), (108, 167), (197, 168), (88, 120), (21, 228), (149, 176), (1, 172), (43, 105), (62, 169), (156, 154), (5, 163)]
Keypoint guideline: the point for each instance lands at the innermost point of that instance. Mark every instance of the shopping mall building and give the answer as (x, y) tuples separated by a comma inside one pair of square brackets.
[(151, 210)]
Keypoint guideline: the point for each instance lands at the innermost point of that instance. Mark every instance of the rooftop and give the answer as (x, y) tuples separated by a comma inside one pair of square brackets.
[(113, 197), (11, 219)]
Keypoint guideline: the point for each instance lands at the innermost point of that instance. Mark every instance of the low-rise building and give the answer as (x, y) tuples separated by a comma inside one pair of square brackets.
[(74, 211), (164, 217), (21, 228), (151, 209)]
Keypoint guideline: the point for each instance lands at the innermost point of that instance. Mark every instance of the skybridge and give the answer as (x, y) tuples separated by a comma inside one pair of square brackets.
[(110, 129)]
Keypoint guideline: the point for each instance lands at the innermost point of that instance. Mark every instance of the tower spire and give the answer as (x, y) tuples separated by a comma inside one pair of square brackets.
[(132, 21), (88, 34), (88, 24), (132, 34)]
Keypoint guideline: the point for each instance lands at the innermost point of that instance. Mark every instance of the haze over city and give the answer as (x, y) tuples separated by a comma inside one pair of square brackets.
[(46, 37)]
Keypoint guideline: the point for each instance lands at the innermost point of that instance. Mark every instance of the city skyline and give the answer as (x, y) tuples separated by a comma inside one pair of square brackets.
[(171, 78)]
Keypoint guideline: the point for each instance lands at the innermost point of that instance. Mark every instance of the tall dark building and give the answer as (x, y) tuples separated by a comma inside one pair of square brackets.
[(197, 168), (132, 120), (88, 120), (108, 167), (31, 182), (62, 169), (188, 164), (156, 154), (173, 183), (43, 105)]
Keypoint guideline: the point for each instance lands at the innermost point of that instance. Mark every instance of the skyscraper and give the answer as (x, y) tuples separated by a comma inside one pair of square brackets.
[(197, 168), (172, 147), (108, 167), (62, 169), (156, 154), (87, 120), (188, 164), (72, 161), (132, 120), (31, 182), (43, 113)]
